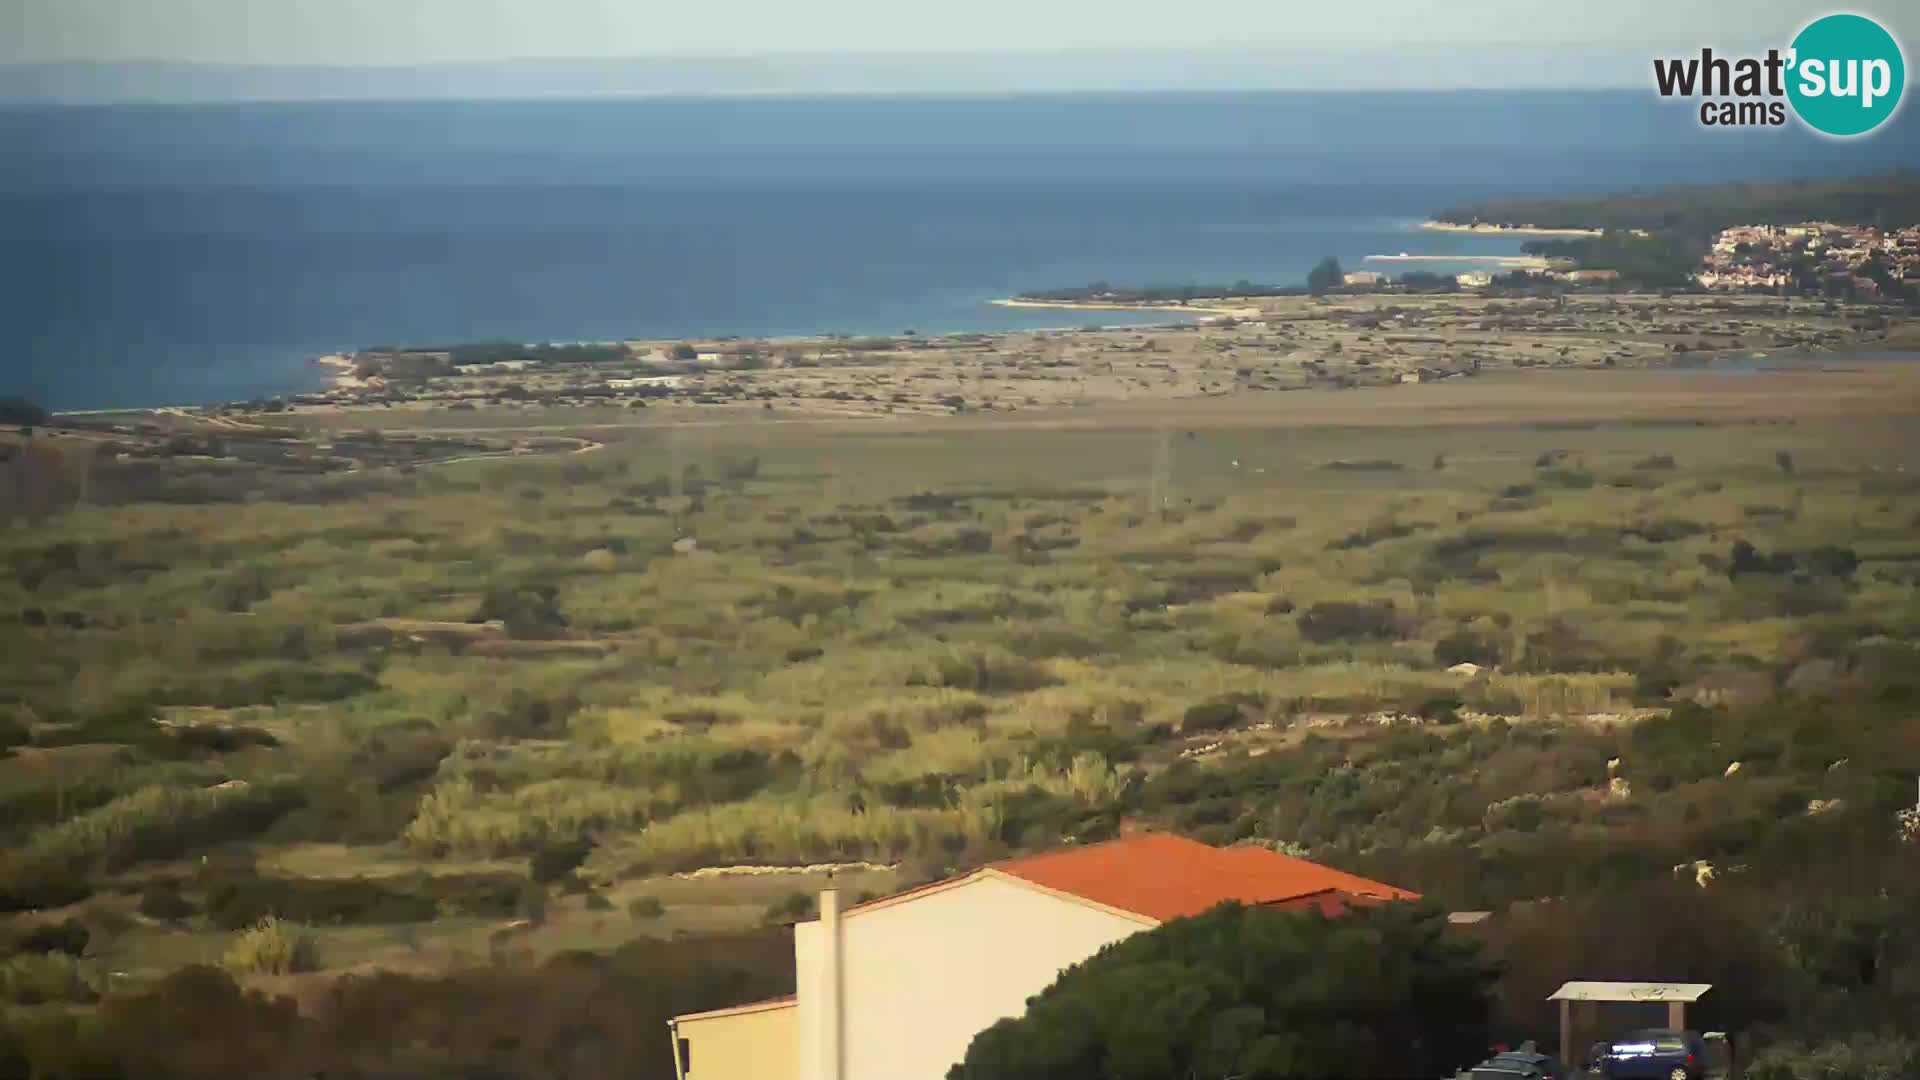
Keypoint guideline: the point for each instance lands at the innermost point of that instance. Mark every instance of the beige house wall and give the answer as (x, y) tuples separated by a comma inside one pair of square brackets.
[(920, 977), (752, 1043)]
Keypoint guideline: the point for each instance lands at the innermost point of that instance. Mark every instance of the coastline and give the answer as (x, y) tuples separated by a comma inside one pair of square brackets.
[(1296, 317), (1502, 230), (1296, 341), (1192, 311), (1518, 262)]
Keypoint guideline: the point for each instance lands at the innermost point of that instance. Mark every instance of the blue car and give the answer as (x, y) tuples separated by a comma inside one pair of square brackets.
[(1655, 1054)]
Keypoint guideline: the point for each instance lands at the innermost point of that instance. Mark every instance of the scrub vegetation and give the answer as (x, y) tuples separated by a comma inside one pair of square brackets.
[(458, 724)]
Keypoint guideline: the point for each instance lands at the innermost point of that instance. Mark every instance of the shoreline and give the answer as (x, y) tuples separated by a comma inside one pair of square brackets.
[(1191, 311), (1518, 262), (1303, 332), (1503, 230)]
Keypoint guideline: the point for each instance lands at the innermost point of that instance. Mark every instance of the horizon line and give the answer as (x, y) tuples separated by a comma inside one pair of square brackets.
[(1274, 48), (561, 97)]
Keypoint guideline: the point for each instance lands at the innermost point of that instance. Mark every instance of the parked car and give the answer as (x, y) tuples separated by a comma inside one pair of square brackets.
[(1520, 1065), (1655, 1054)]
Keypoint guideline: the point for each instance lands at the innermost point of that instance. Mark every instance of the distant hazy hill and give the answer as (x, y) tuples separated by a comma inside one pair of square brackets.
[(1889, 201), (801, 73)]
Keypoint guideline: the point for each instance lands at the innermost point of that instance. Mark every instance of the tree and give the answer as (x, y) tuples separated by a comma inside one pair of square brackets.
[(555, 861), (530, 611), (199, 1022), (1324, 276), (16, 411), (1256, 993), (41, 478), (1428, 281)]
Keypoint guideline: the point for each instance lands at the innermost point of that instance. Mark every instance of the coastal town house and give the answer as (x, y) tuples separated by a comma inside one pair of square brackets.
[(896, 989)]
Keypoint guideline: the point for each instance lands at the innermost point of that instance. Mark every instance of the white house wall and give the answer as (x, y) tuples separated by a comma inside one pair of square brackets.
[(921, 977)]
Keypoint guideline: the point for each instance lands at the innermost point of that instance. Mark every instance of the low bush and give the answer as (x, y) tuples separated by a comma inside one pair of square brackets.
[(1466, 647), (1055, 639), (67, 936), (218, 738), (1826, 560), (163, 901), (527, 715), (44, 978), (1221, 713), (1562, 647), (267, 685), (984, 672), (794, 907), (271, 947), (1571, 479), (641, 908), (1441, 708), (1861, 1057), (1340, 620), (1371, 535), (1665, 530), (1364, 465), (530, 612), (233, 905)]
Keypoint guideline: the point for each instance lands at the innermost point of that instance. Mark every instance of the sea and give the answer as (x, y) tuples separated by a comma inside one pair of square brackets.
[(179, 255)]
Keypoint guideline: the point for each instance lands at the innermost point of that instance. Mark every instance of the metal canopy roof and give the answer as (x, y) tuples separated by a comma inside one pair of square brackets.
[(1630, 991)]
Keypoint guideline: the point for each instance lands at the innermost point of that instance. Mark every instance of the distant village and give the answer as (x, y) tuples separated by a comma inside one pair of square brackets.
[(1812, 255)]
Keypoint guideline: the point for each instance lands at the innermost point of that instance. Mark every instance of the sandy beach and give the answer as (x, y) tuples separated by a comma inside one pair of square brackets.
[(1519, 262), (1190, 310)]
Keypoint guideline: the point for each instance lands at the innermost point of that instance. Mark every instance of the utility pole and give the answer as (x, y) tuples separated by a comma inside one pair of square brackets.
[(676, 479), (84, 456), (1162, 485)]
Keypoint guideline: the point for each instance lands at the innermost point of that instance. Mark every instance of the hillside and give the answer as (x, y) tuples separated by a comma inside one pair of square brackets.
[(1889, 201)]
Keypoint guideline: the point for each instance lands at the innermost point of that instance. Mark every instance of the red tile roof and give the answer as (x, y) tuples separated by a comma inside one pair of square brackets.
[(1162, 876), (1331, 903)]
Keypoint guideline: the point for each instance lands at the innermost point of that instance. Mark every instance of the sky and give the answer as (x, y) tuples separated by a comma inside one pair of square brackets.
[(401, 32)]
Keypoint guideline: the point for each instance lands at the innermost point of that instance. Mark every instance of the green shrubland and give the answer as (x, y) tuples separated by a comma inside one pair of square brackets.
[(902, 649)]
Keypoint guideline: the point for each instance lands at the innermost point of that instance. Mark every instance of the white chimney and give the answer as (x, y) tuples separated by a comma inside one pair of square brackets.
[(832, 1024)]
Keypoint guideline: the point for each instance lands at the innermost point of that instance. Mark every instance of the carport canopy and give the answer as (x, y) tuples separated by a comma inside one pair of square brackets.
[(1687, 993), (1677, 997)]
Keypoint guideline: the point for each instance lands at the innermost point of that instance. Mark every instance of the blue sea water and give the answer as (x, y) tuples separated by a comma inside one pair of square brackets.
[(195, 254)]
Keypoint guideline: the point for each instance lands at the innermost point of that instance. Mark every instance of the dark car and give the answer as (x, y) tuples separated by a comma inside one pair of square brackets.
[(1519, 1065), (1655, 1054)]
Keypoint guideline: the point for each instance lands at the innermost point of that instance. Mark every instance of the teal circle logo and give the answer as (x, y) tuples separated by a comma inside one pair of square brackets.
[(1846, 74)]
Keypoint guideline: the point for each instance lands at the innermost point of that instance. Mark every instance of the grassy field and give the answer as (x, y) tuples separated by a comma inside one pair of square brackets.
[(492, 707)]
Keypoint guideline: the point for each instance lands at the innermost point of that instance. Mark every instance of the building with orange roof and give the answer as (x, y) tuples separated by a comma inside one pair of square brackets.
[(896, 988)]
